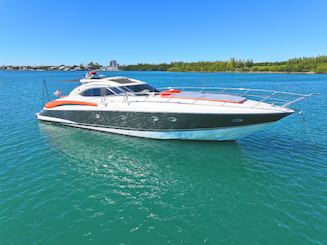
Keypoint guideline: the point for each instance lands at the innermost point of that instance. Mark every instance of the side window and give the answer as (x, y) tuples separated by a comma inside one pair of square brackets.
[(116, 90), (141, 88), (125, 89), (97, 92), (92, 92), (88, 92), (106, 92)]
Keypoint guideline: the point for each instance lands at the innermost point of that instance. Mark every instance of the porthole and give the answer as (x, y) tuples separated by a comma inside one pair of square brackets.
[(154, 119), (172, 119), (237, 120)]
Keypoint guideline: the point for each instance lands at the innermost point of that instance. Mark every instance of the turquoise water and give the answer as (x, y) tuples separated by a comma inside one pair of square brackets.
[(61, 185)]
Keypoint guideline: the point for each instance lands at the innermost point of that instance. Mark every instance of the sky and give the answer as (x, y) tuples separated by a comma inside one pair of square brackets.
[(54, 32)]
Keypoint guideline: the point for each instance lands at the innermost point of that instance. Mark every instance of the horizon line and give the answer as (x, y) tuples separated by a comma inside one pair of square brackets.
[(170, 62)]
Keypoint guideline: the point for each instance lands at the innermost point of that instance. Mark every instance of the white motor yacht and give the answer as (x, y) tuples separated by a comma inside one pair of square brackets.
[(132, 107)]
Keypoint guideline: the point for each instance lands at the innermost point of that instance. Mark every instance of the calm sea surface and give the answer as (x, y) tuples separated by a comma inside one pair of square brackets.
[(61, 185)]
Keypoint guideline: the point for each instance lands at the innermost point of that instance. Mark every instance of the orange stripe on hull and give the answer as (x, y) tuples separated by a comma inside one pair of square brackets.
[(56, 103)]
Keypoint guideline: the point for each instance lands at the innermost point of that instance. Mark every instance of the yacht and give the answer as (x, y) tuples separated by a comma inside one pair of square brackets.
[(132, 107)]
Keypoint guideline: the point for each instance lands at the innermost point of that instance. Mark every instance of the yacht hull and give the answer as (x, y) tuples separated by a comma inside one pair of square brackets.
[(210, 127), (131, 107)]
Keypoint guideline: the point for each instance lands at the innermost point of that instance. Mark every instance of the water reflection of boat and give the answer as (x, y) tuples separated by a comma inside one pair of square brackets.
[(90, 147)]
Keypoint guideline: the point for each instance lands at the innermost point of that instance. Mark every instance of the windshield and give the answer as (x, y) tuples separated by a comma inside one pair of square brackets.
[(96, 92), (141, 88), (116, 90), (137, 89)]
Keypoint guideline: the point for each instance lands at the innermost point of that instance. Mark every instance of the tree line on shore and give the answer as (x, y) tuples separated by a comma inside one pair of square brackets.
[(304, 64), (316, 64)]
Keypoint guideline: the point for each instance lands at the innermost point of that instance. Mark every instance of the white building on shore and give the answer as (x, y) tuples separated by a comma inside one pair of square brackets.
[(113, 66)]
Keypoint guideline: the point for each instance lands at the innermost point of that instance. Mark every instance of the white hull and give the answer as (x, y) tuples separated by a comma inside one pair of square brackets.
[(221, 134)]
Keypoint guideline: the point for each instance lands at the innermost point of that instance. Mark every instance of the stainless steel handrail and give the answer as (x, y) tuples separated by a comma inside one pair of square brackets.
[(239, 89), (245, 92), (261, 95)]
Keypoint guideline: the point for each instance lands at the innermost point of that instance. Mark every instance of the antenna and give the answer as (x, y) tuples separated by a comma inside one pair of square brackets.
[(45, 90)]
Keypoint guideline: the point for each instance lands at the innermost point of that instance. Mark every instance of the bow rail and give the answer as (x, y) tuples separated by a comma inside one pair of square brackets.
[(280, 98)]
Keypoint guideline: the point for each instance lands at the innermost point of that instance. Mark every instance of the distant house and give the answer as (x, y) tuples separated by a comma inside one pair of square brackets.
[(61, 68)]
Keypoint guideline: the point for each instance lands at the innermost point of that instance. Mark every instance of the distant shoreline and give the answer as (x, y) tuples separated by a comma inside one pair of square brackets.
[(253, 72), (233, 72), (305, 65), (302, 65)]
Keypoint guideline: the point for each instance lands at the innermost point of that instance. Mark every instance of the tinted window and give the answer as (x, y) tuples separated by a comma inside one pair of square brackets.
[(125, 89), (88, 92), (97, 92), (106, 92), (92, 92), (141, 88), (116, 90)]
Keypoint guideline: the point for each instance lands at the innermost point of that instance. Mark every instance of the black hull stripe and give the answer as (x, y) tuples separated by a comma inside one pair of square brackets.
[(160, 121)]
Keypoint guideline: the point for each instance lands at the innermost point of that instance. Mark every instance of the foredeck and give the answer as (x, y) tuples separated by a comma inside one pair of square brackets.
[(206, 97)]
